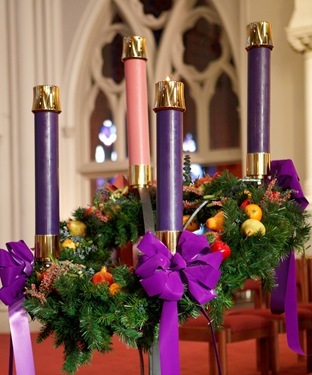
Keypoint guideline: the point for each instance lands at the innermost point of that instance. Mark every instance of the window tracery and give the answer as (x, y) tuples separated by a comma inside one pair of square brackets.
[(185, 41)]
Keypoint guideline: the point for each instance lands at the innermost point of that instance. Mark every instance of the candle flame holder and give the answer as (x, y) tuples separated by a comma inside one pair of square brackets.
[(46, 98), (169, 94), (259, 34), (134, 47)]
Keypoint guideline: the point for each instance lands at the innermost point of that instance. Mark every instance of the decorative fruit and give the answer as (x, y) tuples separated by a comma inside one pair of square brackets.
[(89, 210), (216, 222), (114, 288), (253, 211), (69, 243), (244, 204), (76, 228), (251, 227), (103, 276), (222, 247), (193, 225)]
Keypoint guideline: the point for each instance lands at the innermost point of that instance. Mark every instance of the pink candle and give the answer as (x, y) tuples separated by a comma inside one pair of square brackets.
[(134, 58)]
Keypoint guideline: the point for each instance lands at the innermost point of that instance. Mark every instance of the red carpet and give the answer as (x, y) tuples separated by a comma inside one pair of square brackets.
[(124, 361)]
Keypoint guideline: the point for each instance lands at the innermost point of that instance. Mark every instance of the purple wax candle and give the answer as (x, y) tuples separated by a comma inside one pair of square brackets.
[(259, 46), (169, 110), (46, 108), (46, 173)]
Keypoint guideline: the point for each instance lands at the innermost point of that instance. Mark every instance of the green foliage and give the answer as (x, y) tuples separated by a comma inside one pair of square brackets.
[(83, 316)]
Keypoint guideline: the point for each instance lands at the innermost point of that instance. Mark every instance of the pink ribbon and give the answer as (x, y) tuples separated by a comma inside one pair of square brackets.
[(16, 265), (165, 275)]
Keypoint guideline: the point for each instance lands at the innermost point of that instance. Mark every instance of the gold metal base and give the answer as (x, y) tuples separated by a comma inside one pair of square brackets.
[(169, 238), (259, 34), (258, 165), (169, 94), (46, 98), (47, 246), (140, 175), (134, 47)]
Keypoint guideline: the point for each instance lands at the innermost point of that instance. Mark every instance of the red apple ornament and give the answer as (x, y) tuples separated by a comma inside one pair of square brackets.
[(221, 247)]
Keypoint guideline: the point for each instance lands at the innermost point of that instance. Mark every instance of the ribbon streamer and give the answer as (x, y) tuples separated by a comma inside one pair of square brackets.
[(165, 275), (284, 296), (16, 265)]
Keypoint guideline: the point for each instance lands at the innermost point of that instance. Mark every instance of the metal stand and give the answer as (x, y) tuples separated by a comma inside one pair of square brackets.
[(149, 226)]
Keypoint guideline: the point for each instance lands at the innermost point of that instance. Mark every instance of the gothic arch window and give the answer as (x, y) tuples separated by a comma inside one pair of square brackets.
[(185, 41)]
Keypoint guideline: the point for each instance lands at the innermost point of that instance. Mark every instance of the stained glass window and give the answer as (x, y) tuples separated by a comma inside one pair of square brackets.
[(198, 53)]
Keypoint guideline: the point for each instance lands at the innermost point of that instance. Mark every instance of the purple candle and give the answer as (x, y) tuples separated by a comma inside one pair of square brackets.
[(259, 46), (46, 107), (169, 110)]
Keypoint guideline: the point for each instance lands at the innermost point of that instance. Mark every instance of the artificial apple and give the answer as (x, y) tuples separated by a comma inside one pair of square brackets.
[(251, 227), (253, 211), (221, 247)]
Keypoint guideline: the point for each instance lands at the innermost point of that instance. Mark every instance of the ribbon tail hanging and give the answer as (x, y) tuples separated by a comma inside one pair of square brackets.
[(21, 340), (284, 299), (291, 311), (169, 339)]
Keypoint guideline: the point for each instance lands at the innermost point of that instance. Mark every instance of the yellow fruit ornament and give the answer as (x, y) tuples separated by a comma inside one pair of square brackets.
[(251, 227), (69, 243), (216, 222), (76, 228)]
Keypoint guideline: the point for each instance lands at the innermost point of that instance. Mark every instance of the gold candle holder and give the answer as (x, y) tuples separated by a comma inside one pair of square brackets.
[(140, 175), (47, 247), (258, 165), (259, 34), (134, 47), (46, 98), (169, 94), (169, 238)]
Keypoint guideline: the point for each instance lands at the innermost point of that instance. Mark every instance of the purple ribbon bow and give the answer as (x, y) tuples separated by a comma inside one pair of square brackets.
[(16, 265), (284, 296), (164, 275)]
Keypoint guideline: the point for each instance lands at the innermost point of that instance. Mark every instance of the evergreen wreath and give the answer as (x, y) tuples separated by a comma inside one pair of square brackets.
[(87, 296)]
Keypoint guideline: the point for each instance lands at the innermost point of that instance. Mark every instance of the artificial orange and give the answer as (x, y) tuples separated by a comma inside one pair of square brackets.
[(253, 211), (193, 225), (103, 276)]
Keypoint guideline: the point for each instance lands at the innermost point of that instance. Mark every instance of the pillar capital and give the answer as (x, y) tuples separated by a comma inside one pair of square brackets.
[(299, 30), (300, 38)]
